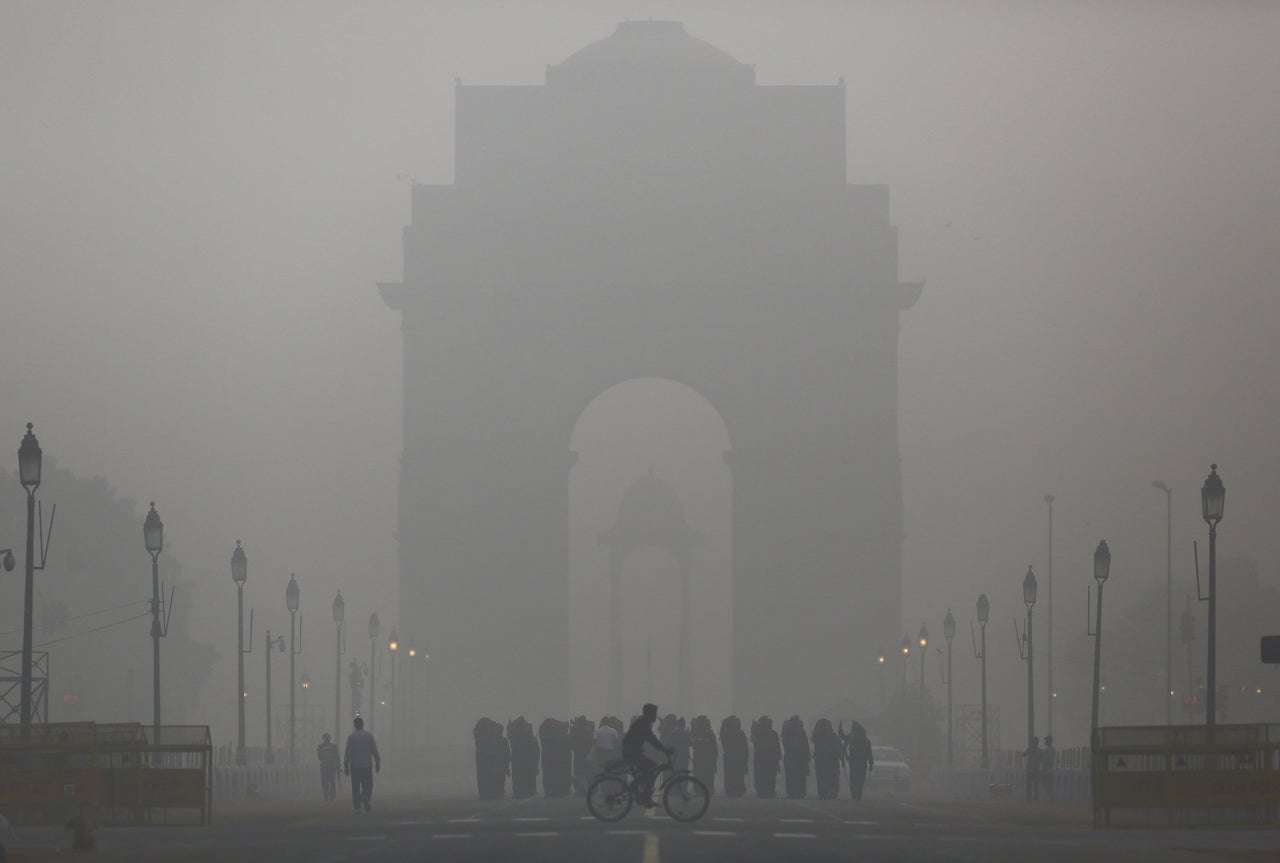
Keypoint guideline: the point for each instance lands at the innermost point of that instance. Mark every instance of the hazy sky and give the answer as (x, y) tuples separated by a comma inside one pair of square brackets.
[(196, 200)]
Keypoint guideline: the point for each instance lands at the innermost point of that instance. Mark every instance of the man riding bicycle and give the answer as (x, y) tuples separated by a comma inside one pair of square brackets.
[(644, 767)]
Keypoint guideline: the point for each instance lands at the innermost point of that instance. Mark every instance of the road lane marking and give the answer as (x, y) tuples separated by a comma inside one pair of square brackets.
[(795, 835), (536, 834), (450, 835), (796, 820), (650, 848), (367, 837), (739, 820), (531, 819), (714, 833), (862, 823), (464, 820)]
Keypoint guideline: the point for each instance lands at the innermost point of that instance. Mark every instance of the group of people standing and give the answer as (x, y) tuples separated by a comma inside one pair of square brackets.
[(568, 755), (1040, 765)]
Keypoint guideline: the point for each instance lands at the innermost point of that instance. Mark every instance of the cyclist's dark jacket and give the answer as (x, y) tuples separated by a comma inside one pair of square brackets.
[(640, 733)]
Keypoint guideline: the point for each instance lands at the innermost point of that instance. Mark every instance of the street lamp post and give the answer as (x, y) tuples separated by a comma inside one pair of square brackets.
[(1101, 570), (1029, 600), (304, 683), (880, 661), (984, 614), (906, 651), (30, 457), (393, 646), (1168, 576), (949, 630), (374, 626), (153, 539), (239, 574), (923, 638), (410, 730), (339, 614), (292, 595), (1048, 498), (1213, 496), (276, 643)]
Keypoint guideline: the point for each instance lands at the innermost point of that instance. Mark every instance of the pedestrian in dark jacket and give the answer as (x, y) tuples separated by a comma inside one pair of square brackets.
[(706, 753), (327, 752), (768, 757), (795, 757), (828, 755), (736, 756), (525, 755)]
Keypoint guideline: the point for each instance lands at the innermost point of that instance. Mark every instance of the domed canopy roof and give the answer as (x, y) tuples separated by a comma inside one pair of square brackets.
[(650, 44), (650, 513)]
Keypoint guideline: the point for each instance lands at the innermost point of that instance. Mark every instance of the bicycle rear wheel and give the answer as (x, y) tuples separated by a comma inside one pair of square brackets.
[(609, 798), (685, 798)]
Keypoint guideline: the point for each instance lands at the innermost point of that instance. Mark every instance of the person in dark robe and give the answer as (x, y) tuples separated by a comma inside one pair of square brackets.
[(706, 753), (828, 755), (525, 755), (768, 756), (795, 757), (857, 751), (493, 759), (736, 756), (557, 758), (581, 735), (680, 742), (667, 730)]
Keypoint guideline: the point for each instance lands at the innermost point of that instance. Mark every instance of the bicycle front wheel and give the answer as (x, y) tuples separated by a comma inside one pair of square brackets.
[(609, 798), (685, 798)]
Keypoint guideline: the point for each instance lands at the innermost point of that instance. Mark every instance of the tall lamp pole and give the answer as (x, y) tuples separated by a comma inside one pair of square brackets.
[(30, 457), (239, 574), (1213, 496), (1101, 570), (923, 638), (292, 595), (984, 614), (410, 730), (374, 626), (278, 644), (880, 661), (1029, 600), (1048, 498), (906, 651), (153, 539), (949, 630), (339, 614), (304, 683), (393, 645), (1168, 582)]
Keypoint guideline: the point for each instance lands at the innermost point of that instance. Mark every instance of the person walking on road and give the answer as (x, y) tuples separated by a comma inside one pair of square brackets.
[(1048, 755), (768, 756), (360, 761), (736, 756), (327, 752), (828, 755), (795, 757), (858, 754), (1032, 754)]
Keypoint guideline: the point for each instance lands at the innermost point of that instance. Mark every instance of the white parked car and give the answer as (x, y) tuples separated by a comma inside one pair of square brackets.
[(891, 772)]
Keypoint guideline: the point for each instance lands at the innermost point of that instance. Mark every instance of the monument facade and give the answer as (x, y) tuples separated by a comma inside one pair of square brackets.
[(649, 211)]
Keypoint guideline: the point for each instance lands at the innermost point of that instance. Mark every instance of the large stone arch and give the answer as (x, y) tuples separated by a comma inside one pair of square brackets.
[(649, 212)]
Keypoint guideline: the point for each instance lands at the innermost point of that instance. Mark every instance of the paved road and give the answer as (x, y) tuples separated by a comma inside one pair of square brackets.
[(900, 830)]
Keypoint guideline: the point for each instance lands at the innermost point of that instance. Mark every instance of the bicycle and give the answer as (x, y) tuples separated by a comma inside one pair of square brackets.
[(612, 793)]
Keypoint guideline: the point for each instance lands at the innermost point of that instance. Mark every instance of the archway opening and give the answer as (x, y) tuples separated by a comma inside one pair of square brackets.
[(631, 567)]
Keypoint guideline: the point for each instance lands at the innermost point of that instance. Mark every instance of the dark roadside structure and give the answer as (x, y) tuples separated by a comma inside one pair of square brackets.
[(768, 757), (737, 755)]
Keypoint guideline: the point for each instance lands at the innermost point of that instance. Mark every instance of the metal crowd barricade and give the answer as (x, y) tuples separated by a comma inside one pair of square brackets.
[(1188, 774), (104, 771)]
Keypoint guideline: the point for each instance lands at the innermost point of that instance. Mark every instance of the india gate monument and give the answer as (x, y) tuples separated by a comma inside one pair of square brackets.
[(649, 212)]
